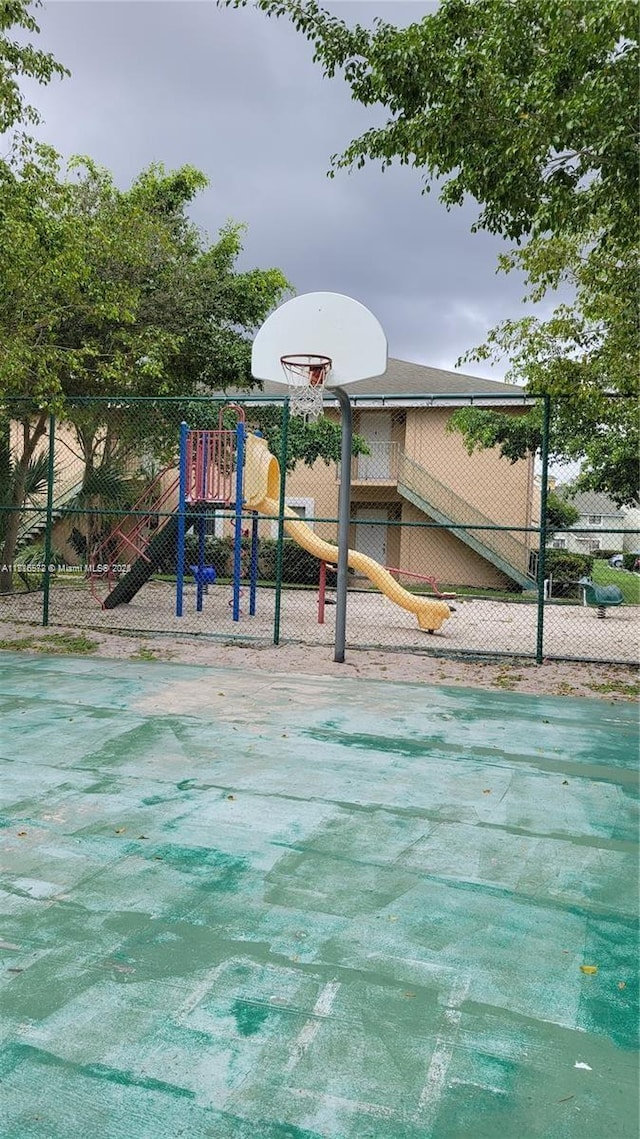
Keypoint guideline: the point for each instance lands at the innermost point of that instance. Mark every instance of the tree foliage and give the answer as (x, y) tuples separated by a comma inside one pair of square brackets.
[(306, 443), (526, 105), (561, 513), (106, 291), (20, 60), (530, 108), (107, 295), (603, 434)]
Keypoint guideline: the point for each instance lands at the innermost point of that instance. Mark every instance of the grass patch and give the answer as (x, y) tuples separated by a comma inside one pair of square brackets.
[(15, 645), (620, 687), (53, 643), (565, 689), (145, 653), (506, 678), (627, 583)]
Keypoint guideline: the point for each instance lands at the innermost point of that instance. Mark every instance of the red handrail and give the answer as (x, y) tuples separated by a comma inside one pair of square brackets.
[(322, 586), (421, 577), (132, 539)]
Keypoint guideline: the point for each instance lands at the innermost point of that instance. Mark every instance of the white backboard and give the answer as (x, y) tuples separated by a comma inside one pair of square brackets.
[(326, 324)]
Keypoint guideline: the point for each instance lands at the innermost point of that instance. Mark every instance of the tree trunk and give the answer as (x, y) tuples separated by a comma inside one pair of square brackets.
[(31, 437)]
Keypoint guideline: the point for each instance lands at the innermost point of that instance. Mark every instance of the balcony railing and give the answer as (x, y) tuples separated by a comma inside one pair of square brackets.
[(380, 465)]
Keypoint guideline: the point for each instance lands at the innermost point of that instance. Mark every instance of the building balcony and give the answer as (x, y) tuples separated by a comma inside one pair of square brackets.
[(379, 468)]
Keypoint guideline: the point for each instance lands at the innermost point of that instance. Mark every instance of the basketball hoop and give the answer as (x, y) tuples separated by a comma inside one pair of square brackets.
[(305, 374)]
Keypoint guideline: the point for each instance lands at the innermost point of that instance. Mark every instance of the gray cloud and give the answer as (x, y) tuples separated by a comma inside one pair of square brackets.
[(237, 95)]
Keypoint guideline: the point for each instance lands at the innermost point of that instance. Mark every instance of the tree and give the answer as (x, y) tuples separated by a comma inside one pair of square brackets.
[(18, 61), (530, 108), (107, 294), (561, 513), (33, 479), (584, 356), (306, 443)]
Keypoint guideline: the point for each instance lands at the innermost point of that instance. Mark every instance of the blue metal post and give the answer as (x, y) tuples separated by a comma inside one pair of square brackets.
[(237, 545), (200, 581), (254, 565), (184, 432)]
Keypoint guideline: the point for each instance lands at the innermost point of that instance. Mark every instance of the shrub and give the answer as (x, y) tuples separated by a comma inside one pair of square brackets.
[(298, 567), (30, 565), (566, 570)]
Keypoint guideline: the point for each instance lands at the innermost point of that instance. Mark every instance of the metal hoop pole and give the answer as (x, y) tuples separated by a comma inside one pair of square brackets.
[(49, 526), (344, 511), (237, 542), (284, 444), (322, 592), (542, 541)]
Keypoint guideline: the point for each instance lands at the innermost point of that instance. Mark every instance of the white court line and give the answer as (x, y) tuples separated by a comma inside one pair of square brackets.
[(198, 993), (429, 1102), (377, 1110), (309, 1031)]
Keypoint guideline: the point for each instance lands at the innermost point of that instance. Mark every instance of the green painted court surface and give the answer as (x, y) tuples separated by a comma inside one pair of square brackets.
[(258, 907)]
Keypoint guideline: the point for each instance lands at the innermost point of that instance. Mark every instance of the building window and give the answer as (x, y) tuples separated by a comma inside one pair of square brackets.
[(303, 507), (594, 519), (595, 544), (559, 544)]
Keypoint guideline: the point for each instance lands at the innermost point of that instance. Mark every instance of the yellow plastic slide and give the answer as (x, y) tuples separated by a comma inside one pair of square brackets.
[(262, 492)]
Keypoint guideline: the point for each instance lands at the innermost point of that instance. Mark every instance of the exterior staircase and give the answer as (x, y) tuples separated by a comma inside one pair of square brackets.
[(34, 524), (500, 547)]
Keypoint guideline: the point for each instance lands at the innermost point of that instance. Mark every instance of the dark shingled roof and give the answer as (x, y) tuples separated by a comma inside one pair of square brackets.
[(404, 379), (591, 502)]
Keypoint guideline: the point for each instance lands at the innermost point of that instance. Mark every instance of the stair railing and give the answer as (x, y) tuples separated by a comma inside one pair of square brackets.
[(458, 510)]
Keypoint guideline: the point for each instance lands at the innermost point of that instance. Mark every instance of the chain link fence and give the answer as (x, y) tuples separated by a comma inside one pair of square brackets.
[(103, 527)]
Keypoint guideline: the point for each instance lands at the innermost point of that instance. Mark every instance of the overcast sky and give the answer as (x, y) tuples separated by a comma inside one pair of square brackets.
[(237, 95)]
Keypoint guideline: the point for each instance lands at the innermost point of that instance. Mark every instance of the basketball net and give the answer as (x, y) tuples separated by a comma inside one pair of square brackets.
[(306, 374)]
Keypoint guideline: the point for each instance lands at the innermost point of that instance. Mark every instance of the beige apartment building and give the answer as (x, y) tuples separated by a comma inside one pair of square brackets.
[(419, 472)]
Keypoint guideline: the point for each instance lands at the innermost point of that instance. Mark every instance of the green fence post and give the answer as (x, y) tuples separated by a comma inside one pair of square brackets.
[(284, 441), (49, 525), (542, 540)]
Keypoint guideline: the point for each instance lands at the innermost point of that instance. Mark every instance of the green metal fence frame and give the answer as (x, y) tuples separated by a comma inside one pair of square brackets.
[(486, 400)]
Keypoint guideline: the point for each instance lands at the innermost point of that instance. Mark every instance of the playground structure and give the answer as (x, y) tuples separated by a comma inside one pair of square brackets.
[(209, 478), (233, 470)]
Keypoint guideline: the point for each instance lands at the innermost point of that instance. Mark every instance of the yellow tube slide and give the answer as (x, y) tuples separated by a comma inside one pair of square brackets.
[(261, 491)]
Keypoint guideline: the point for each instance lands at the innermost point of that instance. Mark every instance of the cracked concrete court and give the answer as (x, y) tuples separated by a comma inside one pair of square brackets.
[(240, 905)]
